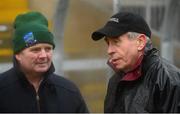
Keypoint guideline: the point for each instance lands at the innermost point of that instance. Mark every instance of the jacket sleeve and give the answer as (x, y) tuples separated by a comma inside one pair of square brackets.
[(82, 107), (166, 92)]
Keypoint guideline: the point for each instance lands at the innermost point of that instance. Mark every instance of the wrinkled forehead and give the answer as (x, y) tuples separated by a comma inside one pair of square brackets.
[(37, 46), (41, 45)]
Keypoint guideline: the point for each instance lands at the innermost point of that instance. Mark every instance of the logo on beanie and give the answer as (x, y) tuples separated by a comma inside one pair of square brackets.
[(29, 39)]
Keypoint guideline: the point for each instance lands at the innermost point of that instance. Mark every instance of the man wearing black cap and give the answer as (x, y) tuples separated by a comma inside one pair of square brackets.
[(31, 85), (143, 81)]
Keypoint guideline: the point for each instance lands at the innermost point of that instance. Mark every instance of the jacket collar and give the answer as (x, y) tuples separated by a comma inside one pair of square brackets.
[(149, 59)]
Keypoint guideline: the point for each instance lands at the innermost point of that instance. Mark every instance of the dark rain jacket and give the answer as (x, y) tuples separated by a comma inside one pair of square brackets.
[(157, 90), (55, 94)]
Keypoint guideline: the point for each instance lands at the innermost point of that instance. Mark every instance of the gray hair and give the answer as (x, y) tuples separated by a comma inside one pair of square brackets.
[(148, 47)]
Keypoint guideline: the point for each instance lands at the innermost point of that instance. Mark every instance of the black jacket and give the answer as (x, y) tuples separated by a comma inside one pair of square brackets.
[(157, 90), (56, 94)]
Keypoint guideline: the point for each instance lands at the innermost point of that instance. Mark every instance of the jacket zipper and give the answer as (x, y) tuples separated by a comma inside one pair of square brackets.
[(38, 103), (38, 98)]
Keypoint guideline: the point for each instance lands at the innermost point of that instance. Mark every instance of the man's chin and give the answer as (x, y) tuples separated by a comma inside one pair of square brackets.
[(116, 69), (42, 69), (119, 69)]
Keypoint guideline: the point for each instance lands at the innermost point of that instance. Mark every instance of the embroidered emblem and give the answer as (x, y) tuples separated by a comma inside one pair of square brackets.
[(114, 20), (29, 39)]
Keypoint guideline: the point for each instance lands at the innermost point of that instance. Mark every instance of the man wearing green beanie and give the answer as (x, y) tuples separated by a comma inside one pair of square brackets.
[(31, 85)]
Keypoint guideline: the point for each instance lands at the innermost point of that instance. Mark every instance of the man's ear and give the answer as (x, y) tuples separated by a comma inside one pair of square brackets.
[(141, 42), (17, 56)]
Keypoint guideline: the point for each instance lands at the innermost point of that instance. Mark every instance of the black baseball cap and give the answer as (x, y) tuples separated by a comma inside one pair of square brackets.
[(122, 23)]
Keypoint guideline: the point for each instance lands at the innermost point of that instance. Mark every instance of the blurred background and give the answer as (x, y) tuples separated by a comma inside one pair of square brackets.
[(76, 56)]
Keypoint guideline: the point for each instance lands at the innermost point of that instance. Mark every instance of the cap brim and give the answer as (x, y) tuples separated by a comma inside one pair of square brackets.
[(106, 32)]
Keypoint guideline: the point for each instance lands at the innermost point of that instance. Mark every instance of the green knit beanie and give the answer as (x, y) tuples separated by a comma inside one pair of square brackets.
[(31, 28)]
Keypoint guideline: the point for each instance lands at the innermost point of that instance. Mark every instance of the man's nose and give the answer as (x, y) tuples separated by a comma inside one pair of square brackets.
[(42, 53), (110, 49)]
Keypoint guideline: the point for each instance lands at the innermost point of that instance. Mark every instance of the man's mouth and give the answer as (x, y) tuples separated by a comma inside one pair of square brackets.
[(42, 63), (113, 60), (112, 63)]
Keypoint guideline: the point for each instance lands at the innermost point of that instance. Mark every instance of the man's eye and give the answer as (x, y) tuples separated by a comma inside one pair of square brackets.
[(35, 50), (48, 49), (116, 41)]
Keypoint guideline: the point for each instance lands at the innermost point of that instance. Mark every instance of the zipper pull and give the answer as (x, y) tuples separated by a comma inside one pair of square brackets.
[(38, 104), (37, 98)]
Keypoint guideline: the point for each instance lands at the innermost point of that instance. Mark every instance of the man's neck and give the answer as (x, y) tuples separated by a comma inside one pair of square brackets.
[(35, 80)]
